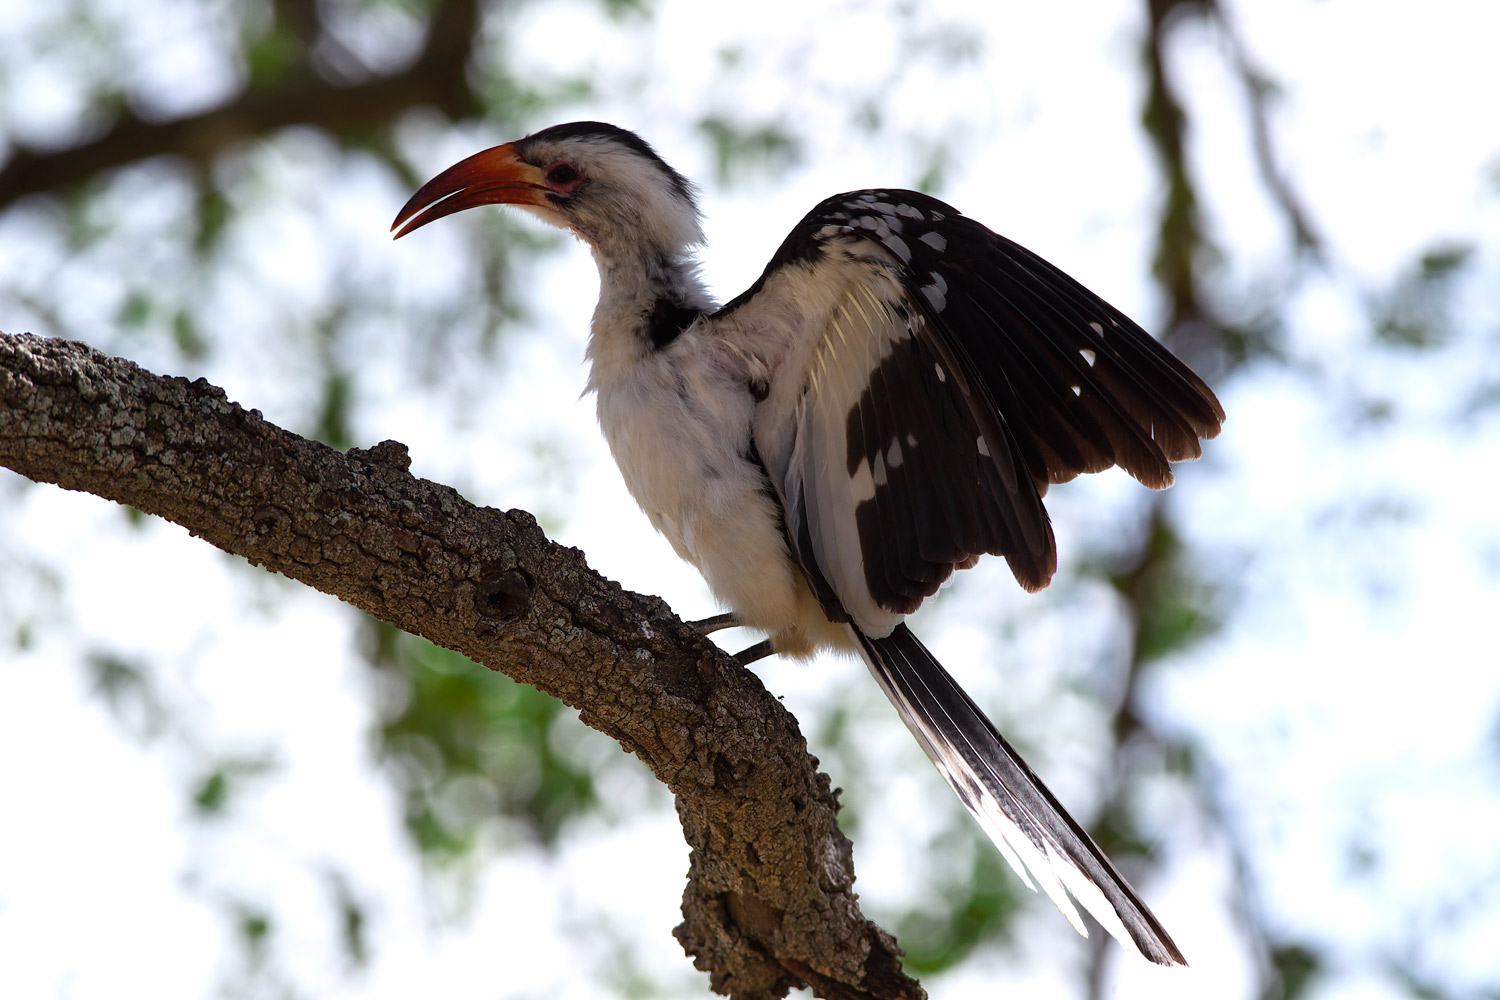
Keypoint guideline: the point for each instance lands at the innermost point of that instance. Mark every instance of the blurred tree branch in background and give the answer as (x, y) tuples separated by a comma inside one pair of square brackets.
[(1168, 605), (769, 903), (301, 90)]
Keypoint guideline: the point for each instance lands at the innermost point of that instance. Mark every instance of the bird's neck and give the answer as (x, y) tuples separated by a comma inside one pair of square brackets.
[(646, 298)]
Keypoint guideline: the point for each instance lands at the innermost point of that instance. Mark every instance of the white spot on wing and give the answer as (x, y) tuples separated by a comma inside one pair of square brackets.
[(880, 477), (984, 449), (1097, 328), (862, 483), (936, 293), (942, 375), (936, 240), (910, 211), (893, 455), (1088, 356), (911, 440), (898, 246), (1076, 390)]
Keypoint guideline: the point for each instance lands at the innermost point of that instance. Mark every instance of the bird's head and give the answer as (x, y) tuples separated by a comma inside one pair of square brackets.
[(605, 184)]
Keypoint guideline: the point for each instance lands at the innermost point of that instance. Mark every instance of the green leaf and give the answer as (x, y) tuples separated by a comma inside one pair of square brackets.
[(213, 791), (1297, 969), (1417, 312), (253, 925), (135, 311), (467, 747), (977, 908)]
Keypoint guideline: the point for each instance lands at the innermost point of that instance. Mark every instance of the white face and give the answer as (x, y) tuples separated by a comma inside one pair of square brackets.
[(618, 194)]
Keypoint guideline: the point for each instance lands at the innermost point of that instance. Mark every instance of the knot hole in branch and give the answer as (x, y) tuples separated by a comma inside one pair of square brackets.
[(505, 592)]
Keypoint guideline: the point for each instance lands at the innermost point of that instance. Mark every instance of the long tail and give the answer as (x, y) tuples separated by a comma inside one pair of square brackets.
[(1036, 835)]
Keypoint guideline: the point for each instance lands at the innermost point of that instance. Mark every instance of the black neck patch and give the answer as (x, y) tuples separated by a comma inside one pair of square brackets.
[(667, 320)]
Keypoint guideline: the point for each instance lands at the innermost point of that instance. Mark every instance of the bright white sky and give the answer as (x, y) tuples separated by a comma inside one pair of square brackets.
[(1353, 692)]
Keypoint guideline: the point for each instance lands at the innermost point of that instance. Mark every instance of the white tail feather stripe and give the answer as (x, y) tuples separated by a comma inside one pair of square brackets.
[(1034, 835)]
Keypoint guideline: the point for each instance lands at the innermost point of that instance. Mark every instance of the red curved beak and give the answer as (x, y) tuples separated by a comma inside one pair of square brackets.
[(492, 177)]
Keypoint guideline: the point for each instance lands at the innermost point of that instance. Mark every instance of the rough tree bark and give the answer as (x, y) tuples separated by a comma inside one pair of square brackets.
[(769, 903)]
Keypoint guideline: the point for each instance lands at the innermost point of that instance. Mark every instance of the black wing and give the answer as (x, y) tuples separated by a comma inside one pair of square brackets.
[(946, 377)]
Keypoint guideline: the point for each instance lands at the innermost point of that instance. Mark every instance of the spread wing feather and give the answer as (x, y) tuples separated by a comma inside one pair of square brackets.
[(951, 375)]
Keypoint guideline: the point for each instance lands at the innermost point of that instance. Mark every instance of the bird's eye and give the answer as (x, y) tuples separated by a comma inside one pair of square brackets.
[(562, 174)]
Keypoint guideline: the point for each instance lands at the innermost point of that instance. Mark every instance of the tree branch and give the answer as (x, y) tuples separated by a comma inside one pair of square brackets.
[(769, 903)]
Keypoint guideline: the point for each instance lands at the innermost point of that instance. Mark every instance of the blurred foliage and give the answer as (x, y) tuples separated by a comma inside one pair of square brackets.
[(973, 906), (1418, 311), (214, 791), (254, 926), (354, 920), (128, 688), (1172, 606), (1297, 970), (30, 591), (765, 148), (466, 746)]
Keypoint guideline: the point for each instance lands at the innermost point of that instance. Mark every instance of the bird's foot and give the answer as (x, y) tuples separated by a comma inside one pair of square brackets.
[(758, 651), (711, 624)]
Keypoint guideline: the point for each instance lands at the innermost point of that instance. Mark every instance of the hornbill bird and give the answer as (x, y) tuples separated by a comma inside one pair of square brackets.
[(888, 402)]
